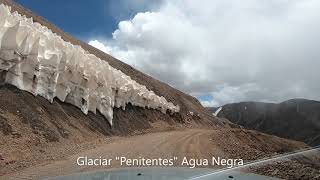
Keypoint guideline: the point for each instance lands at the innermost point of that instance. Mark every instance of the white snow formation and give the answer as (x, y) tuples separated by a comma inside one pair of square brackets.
[(35, 59), (217, 111)]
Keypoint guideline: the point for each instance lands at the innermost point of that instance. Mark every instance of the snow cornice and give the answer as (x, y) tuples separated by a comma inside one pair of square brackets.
[(35, 59)]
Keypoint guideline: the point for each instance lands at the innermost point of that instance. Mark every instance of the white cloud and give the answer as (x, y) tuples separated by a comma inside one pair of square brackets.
[(233, 50), (101, 46)]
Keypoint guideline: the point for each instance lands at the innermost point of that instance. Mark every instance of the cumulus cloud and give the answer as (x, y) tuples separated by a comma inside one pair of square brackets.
[(248, 50)]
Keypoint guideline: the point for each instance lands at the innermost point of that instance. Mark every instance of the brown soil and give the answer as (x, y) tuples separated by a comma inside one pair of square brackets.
[(252, 145), (192, 143), (186, 102), (31, 126), (38, 137)]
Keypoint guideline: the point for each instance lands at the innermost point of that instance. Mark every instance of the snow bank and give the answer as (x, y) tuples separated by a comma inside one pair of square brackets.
[(35, 59), (217, 111)]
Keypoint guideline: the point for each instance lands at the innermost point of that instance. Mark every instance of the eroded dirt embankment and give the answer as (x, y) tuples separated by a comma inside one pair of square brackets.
[(186, 102), (33, 130), (36, 136)]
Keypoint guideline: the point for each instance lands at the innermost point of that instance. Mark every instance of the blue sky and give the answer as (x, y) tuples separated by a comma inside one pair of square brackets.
[(82, 18)]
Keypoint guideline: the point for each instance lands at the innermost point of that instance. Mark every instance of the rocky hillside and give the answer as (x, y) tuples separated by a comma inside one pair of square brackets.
[(24, 105), (34, 131), (31, 125), (297, 119)]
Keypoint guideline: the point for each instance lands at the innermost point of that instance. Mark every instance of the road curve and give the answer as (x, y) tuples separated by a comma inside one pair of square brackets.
[(193, 143)]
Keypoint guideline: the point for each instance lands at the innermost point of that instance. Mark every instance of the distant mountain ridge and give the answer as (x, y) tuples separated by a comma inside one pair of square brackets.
[(297, 119)]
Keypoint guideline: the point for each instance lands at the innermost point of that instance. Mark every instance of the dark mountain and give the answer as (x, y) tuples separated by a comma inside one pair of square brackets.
[(297, 119)]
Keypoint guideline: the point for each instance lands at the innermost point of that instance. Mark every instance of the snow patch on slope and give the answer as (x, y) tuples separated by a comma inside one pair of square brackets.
[(217, 111), (35, 59)]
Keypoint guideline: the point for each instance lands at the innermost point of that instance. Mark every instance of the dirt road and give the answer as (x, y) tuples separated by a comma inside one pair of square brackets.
[(193, 143), (190, 143)]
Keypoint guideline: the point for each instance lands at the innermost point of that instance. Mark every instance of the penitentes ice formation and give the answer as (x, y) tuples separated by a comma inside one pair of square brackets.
[(35, 59)]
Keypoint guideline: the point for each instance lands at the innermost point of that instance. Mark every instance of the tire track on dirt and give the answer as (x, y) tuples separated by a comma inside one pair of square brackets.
[(190, 143)]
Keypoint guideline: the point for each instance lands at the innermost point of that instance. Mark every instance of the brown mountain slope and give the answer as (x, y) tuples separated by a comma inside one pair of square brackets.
[(186, 102), (36, 132), (31, 125)]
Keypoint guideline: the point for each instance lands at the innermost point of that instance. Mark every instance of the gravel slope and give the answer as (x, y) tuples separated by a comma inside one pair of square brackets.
[(186, 102)]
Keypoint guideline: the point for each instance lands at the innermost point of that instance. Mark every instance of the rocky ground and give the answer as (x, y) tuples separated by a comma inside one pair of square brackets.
[(38, 137), (253, 145), (188, 104), (59, 158)]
